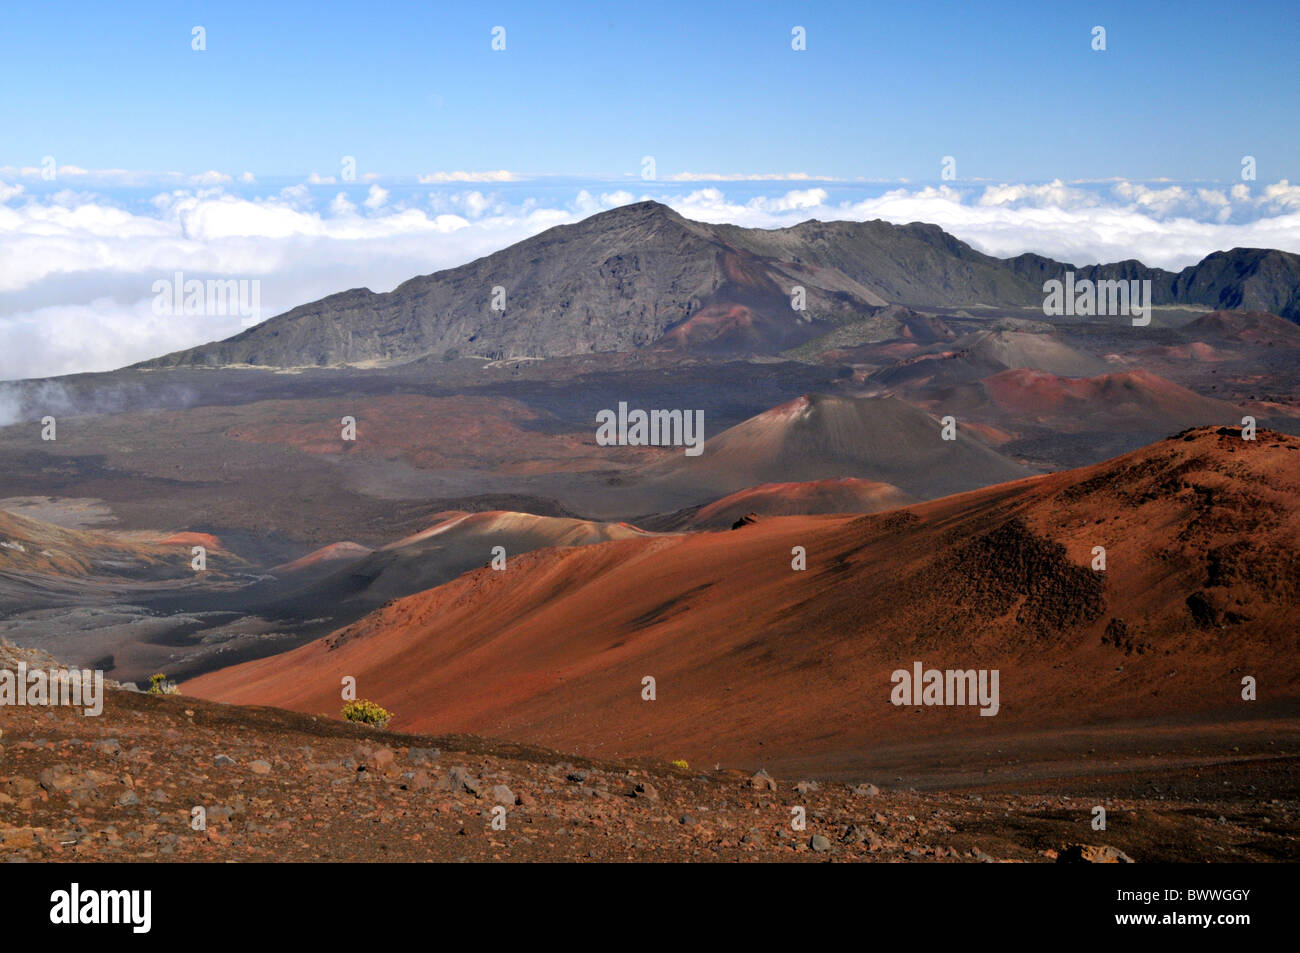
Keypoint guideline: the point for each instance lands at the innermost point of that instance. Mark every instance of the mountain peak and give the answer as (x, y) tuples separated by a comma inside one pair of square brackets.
[(642, 275), (637, 211)]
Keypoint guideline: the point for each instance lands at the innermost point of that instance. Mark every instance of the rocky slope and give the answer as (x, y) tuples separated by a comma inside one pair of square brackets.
[(275, 786)]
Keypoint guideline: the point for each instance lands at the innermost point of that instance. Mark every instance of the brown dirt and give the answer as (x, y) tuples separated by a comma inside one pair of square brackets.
[(122, 787)]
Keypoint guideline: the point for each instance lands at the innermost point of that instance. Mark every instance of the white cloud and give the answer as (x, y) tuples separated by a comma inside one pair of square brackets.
[(296, 195), (740, 177), (792, 201), (1282, 195), (472, 204), (376, 197), (587, 204), (435, 178), (100, 335), (475, 204), (211, 177), (76, 275), (1055, 193), (118, 177)]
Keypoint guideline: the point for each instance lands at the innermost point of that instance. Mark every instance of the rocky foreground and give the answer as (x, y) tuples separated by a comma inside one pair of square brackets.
[(280, 786)]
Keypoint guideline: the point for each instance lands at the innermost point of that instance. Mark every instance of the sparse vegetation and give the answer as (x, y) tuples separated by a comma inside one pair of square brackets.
[(367, 713), (679, 763), (159, 685)]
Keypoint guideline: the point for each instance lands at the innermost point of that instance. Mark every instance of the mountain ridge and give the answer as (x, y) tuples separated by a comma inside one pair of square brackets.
[(642, 275)]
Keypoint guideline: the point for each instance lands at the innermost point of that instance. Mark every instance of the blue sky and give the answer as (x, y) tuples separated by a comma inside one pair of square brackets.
[(127, 156), (1012, 90)]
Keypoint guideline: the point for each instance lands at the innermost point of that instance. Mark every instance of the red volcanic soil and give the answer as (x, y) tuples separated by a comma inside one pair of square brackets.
[(846, 495), (456, 543), (821, 437), (334, 552), (993, 436), (206, 540), (726, 322), (32, 549), (758, 663), (924, 327), (1124, 399), (1251, 326), (748, 310), (483, 528), (1195, 351)]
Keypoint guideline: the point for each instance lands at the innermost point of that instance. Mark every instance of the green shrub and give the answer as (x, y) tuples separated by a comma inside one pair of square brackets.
[(158, 685), (367, 713)]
